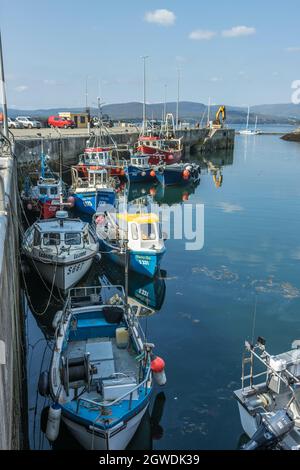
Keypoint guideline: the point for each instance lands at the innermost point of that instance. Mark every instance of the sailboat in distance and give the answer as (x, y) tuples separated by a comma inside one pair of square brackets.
[(248, 131)]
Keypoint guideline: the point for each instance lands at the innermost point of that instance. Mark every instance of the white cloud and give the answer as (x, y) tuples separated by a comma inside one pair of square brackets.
[(21, 88), (237, 31), (216, 79), (202, 34), (293, 49), (162, 17)]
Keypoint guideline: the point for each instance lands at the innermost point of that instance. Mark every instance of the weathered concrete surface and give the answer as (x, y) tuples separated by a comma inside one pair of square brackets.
[(12, 373)]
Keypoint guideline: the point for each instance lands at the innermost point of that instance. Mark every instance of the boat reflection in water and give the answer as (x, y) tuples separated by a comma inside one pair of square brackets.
[(145, 295)]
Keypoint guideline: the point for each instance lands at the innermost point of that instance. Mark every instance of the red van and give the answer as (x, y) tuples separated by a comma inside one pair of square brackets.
[(57, 121)]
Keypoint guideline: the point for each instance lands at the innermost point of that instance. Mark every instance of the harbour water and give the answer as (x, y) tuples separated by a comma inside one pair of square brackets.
[(245, 281)]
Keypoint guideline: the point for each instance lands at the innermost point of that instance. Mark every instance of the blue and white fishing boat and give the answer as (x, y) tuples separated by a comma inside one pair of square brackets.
[(88, 192), (181, 173), (101, 376), (142, 234), (43, 197), (140, 171)]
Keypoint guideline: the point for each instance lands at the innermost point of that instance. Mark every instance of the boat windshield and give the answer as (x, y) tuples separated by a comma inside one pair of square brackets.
[(43, 190), (148, 231), (73, 238), (51, 239), (53, 190)]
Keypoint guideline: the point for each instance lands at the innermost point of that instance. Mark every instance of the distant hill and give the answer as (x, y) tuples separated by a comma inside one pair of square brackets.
[(188, 110)]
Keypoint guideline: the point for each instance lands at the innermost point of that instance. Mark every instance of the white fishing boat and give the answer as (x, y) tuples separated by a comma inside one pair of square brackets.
[(61, 249), (101, 376), (269, 399)]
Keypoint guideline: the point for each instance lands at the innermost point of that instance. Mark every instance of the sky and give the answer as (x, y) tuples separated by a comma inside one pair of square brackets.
[(234, 52)]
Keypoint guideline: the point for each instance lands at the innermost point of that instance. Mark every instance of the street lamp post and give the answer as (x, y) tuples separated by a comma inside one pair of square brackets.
[(144, 95)]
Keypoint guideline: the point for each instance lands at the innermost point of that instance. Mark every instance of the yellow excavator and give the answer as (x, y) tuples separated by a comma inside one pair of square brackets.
[(217, 124)]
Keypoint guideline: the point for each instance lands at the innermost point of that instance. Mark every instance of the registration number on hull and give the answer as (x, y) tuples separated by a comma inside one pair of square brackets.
[(74, 268)]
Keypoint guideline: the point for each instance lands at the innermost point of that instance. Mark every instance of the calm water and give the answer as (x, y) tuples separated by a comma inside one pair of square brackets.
[(207, 298)]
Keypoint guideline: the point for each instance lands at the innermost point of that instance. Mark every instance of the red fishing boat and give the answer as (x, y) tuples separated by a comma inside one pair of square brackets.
[(163, 146)]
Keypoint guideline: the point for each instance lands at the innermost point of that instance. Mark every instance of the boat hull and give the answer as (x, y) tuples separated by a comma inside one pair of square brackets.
[(116, 438), (140, 175), (65, 275), (144, 263), (166, 157), (87, 202)]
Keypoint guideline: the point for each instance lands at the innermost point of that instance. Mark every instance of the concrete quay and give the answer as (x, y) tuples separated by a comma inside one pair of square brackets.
[(13, 409), (28, 141)]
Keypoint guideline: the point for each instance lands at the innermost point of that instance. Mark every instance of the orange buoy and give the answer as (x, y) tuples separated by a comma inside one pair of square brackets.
[(158, 370), (185, 196), (152, 191), (152, 173), (122, 172), (186, 174)]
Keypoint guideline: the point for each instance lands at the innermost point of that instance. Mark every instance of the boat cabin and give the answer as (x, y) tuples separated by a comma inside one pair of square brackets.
[(140, 161), (95, 179), (143, 231), (60, 233), (95, 156), (47, 188)]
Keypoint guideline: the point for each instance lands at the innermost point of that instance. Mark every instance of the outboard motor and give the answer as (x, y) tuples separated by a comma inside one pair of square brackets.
[(271, 431)]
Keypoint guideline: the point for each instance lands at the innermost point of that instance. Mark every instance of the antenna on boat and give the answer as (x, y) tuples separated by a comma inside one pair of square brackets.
[(254, 319)]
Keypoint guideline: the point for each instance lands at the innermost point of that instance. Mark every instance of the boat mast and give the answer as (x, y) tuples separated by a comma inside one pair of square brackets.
[(43, 165), (247, 125), (177, 104), (255, 124), (144, 125), (3, 93)]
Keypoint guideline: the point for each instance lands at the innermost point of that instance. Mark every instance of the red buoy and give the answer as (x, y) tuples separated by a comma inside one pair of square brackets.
[(158, 370), (186, 174)]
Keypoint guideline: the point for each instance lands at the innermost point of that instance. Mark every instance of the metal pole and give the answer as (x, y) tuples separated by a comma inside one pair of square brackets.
[(177, 105), (165, 102), (144, 93), (2, 92)]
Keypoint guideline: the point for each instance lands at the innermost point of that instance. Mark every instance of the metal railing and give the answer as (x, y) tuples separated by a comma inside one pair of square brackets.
[(99, 405)]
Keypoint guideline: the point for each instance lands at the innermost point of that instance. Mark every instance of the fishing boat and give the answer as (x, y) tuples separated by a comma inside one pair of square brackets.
[(43, 197), (102, 370), (87, 193), (140, 171), (181, 173), (96, 158), (61, 249), (163, 147), (269, 398), (140, 233)]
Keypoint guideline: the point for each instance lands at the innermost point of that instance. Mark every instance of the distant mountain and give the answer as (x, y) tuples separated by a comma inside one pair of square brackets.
[(188, 110)]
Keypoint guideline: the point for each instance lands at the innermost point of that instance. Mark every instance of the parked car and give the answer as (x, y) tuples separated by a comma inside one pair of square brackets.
[(28, 122), (57, 121), (13, 124)]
